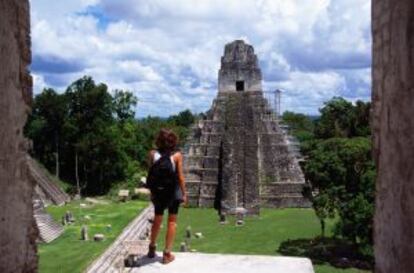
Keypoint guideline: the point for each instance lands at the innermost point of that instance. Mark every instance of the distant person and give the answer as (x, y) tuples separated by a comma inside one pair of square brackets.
[(167, 185)]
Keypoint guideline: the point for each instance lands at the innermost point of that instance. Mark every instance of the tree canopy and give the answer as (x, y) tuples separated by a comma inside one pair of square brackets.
[(91, 138), (341, 170), (340, 118), (339, 166)]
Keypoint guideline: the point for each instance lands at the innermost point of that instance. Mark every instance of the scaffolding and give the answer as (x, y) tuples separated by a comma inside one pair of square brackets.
[(273, 107)]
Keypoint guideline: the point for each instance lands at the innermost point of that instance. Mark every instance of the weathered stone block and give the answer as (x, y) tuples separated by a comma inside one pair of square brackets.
[(209, 174), (210, 162)]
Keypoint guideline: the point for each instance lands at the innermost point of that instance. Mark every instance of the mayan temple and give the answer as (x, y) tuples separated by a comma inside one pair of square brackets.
[(238, 156)]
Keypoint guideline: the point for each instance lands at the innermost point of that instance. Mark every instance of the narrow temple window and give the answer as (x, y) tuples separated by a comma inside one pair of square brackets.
[(240, 85)]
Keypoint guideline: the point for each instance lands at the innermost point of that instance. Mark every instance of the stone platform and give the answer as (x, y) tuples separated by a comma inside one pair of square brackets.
[(222, 263)]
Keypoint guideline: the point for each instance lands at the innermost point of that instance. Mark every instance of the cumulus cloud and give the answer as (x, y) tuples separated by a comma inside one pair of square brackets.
[(168, 52)]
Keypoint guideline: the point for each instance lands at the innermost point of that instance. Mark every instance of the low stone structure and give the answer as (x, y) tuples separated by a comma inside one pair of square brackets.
[(238, 156), (123, 195), (98, 237)]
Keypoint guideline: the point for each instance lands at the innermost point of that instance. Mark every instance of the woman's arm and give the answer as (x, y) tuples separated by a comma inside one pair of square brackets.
[(181, 181)]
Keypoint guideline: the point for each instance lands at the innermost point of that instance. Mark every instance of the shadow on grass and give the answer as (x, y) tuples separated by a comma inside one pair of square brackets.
[(336, 252)]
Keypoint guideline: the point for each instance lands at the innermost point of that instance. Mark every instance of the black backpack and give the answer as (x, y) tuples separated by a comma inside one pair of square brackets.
[(162, 177)]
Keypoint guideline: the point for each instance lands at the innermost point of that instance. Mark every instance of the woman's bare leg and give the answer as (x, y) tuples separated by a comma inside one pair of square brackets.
[(171, 228), (155, 229)]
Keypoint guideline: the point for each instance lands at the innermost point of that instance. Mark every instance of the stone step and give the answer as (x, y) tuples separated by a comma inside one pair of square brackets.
[(208, 189), (37, 204), (210, 128), (207, 174), (200, 159), (203, 144), (272, 134), (207, 196), (206, 121), (49, 230), (285, 202), (193, 188), (187, 182), (278, 188), (51, 189), (201, 182), (192, 194), (206, 202), (113, 258), (192, 176), (272, 138), (211, 133), (202, 149), (202, 196), (201, 188), (51, 192), (197, 162), (203, 169), (200, 156), (282, 195)]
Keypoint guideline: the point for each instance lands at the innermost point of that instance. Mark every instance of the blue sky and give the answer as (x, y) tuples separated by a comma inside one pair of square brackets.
[(168, 51)]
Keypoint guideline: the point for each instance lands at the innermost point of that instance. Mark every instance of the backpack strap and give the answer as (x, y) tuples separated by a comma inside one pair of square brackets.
[(158, 155)]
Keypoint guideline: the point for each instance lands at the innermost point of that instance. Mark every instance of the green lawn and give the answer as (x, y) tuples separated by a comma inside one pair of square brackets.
[(68, 254), (260, 235)]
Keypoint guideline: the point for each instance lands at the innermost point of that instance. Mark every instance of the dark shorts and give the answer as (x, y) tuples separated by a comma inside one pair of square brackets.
[(164, 201), (172, 207)]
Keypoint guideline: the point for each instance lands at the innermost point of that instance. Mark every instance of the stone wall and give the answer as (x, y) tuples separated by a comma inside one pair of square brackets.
[(17, 226), (393, 125), (240, 181)]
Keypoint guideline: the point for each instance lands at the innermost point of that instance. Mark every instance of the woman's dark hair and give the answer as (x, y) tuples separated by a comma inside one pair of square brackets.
[(166, 140)]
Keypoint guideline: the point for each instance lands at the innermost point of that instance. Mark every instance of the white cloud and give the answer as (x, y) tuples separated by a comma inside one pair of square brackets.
[(169, 51), (306, 91)]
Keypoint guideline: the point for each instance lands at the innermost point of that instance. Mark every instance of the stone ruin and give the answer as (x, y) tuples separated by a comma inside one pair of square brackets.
[(46, 189), (238, 156), (46, 192)]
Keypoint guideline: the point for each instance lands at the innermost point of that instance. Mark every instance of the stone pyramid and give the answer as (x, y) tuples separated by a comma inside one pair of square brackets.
[(238, 156)]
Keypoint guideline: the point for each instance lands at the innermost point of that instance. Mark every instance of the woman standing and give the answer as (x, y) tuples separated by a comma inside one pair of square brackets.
[(167, 185)]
